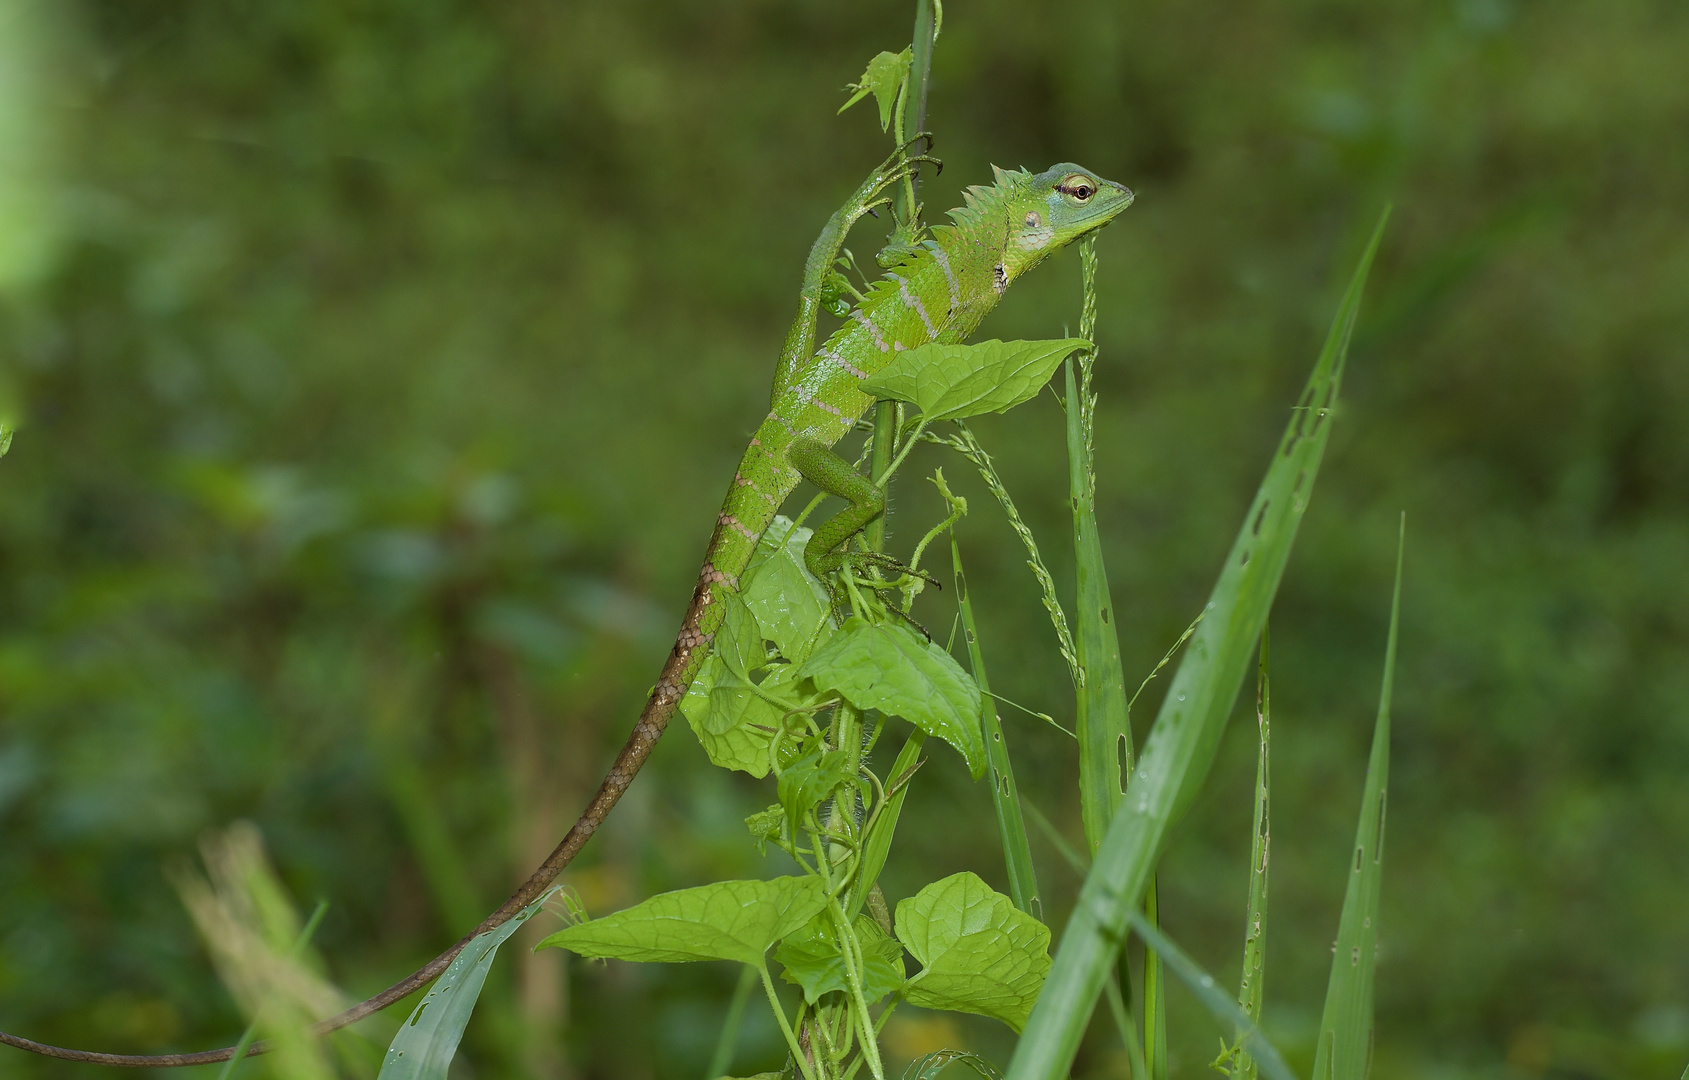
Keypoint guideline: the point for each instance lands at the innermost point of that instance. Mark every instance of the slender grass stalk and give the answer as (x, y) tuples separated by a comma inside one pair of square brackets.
[(1124, 1023), (1103, 713), (1346, 1026), (1005, 796), (964, 443), (1155, 991), (728, 1041), (803, 1063), (1105, 732), (1250, 989), (1216, 1001), (1193, 715)]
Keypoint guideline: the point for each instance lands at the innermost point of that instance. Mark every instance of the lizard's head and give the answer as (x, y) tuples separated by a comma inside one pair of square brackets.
[(1047, 211)]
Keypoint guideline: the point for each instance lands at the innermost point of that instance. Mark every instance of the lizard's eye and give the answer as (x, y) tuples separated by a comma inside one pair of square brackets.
[(1077, 187)]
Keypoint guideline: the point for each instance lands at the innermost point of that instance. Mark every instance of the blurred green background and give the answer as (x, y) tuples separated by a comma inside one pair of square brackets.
[(378, 365)]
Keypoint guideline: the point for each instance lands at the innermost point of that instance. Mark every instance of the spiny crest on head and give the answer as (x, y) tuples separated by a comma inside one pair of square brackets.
[(982, 199), (982, 202)]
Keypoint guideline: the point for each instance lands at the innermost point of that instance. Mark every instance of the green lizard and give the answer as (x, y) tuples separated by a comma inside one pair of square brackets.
[(940, 292)]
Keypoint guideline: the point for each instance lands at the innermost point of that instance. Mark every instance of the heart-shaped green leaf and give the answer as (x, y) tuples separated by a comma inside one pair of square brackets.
[(954, 382), (978, 953), (891, 668)]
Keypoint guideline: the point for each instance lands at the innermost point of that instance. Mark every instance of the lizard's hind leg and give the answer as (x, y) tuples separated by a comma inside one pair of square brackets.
[(827, 549), (817, 463)]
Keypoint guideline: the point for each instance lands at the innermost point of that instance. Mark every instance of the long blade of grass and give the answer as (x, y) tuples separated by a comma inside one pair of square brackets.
[(1103, 724), (1105, 733), (1249, 990), (1215, 1000), (1346, 1026), (424, 1047), (1117, 1007), (1005, 796), (1155, 993), (1187, 731)]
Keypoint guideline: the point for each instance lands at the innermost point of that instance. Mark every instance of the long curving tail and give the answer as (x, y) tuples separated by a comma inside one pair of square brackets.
[(689, 649), (726, 548)]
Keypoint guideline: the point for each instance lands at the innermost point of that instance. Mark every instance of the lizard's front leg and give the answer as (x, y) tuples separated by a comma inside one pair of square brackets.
[(800, 339)]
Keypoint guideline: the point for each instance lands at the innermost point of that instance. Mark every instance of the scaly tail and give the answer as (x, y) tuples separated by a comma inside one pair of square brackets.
[(691, 647)]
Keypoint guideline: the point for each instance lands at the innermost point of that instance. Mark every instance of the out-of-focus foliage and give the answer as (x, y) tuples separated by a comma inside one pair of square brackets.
[(379, 366)]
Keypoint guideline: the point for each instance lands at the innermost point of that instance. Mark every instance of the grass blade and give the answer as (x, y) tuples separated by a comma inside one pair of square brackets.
[(1105, 733), (1102, 711), (1346, 1026), (424, 1047), (1123, 1021), (1155, 994), (1187, 731), (1249, 991), (1213, 998), (1017, 848)]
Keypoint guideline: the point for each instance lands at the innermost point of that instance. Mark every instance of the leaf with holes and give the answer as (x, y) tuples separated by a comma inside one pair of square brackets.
[(891, 668), (729, 920), (954, 382), (1187, 731), (978, 954)]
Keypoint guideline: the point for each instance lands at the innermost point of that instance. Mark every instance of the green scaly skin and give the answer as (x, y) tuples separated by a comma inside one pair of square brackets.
[(940, 293)]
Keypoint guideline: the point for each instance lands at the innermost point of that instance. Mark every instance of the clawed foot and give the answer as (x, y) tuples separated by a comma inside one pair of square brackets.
[(871, 195), (880, 574)]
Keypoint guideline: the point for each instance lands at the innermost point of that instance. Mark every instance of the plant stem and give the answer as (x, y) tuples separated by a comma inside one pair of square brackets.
[(722, 1059), (912, 120), (785, 1026), (1005, 796)]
